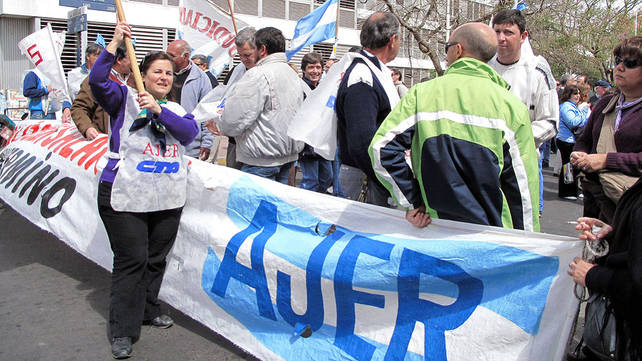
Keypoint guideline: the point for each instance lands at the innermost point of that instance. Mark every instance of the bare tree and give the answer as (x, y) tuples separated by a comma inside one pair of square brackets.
[(429, 22), (578, 36)]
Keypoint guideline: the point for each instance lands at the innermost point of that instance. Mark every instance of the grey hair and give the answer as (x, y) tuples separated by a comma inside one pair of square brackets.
[(477, 46), (565, 78), (245, 35), (378, 29), (204, 60), (93, 49)]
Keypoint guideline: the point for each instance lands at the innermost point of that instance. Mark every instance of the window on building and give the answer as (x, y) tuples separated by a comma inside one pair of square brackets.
[(249, 7), (298, 10), (273, 9)]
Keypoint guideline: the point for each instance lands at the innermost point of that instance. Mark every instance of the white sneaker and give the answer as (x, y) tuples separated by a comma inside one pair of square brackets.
[(571, 198)]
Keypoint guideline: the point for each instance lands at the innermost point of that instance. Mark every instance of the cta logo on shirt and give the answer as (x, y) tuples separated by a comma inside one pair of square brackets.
[(156, 166), (152, 166)]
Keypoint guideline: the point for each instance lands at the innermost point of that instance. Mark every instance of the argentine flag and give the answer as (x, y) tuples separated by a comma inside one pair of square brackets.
[(314, 28)]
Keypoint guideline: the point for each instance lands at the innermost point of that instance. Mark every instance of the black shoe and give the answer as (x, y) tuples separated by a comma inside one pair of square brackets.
[(122, 347), (545, 165), (162, 321)]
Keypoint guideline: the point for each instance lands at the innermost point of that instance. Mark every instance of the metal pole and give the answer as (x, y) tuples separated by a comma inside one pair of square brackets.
[(83, 46), (448, 7), (333, 54)]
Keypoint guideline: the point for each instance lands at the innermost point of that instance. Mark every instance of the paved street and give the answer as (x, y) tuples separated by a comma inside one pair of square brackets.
[(54, 302)]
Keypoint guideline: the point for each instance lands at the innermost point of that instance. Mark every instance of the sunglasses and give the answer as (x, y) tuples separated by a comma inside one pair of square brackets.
[(629, 63), (146, 58), (449, 44)]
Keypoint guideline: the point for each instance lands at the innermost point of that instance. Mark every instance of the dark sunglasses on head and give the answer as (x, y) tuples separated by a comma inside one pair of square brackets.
[(449, 44), (146, 58), (630, 63)]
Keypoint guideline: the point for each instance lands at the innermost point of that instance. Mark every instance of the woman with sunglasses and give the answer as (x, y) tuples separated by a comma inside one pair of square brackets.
[(142, 188), (573, 116), (609, 151)]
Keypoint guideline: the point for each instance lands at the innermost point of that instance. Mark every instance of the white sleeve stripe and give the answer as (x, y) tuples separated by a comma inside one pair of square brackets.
[(509, 136)]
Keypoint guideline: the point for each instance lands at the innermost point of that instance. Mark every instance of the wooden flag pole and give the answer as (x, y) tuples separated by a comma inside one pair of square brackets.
[(130, 50), (229, 2), (336, 30)]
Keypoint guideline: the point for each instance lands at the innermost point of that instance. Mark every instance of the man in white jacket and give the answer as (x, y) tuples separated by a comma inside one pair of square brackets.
[(259, 110), (530, 79)]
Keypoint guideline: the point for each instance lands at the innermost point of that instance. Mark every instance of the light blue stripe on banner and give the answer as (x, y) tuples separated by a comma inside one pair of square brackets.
[(511, 282)]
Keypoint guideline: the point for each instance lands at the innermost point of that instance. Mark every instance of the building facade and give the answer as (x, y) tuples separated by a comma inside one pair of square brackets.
[(154, 26)]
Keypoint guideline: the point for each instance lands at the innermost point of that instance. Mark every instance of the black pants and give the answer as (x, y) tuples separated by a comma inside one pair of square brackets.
[(564, 189), (140, 243)]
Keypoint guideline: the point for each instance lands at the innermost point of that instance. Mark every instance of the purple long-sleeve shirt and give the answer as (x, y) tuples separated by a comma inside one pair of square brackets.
[(112, 96)]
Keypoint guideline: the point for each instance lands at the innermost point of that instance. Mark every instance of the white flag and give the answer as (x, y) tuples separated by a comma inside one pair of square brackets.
[(209, 32), (315, 123), (43, 48), (212, 104)]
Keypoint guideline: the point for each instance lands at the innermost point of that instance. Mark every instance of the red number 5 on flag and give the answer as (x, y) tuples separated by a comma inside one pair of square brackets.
[(34, 54)]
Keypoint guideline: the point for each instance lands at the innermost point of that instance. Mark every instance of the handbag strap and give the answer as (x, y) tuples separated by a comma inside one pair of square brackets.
[(364, 189)]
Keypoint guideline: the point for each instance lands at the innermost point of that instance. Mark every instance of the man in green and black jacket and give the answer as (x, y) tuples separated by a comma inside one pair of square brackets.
[(472, 150)]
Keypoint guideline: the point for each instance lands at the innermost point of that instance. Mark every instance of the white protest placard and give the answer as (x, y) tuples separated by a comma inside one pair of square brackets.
[(208, 31), (43, 48)]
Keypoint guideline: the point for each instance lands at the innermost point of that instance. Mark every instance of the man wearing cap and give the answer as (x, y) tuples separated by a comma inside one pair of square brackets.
[(600, 88)]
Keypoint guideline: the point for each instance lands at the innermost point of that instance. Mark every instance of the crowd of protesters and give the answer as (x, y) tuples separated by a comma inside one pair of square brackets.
[(441, 149)]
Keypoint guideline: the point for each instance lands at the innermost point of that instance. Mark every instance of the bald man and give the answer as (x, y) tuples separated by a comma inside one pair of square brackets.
[(473, 155), (190, 85)]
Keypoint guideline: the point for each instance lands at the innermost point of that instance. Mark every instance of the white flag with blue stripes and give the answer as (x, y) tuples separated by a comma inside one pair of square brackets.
[(314, 28)]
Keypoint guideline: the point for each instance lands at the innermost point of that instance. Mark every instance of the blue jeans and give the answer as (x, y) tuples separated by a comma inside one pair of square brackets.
[(317, 174), (545, 151), (336, 171), (39, 114), (277, 173), (541, 185)]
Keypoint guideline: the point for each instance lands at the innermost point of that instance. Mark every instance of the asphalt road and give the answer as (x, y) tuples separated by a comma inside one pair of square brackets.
[(54, 302)]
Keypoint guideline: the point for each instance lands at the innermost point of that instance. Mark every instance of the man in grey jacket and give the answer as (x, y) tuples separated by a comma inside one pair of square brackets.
[(191, 84), (259, 110)]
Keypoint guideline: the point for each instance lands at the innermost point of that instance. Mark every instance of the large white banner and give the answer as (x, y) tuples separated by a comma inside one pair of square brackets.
[(289, 274), (208, 31), (43, 48)]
